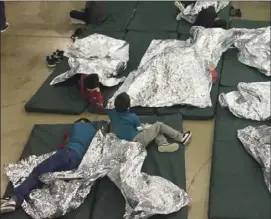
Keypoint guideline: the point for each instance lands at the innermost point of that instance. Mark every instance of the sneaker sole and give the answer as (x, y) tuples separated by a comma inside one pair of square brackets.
[(187, 139), (51, 66), (75, 21), (168, 148), (7, 209), (2, 31)]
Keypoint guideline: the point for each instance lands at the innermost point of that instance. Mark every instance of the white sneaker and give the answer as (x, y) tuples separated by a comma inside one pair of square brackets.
[(8, 206), (168, 147)]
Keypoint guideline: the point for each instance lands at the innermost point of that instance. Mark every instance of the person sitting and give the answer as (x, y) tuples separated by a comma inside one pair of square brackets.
[(69, 158), (93, 13), (90, 90), (126, 124), (208, 18)]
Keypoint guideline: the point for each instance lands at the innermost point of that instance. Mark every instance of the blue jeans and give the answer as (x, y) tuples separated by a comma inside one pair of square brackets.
[(2, 15), (62, 160)]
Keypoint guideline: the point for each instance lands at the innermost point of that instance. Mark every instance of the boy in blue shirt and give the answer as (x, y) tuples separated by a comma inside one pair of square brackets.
[(65, 159), (125, 125)]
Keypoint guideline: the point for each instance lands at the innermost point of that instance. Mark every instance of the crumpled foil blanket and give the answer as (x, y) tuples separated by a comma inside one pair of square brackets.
[(97, 54), (191, 11), (254, 48), (145, 195), (250, 101), (256, 141), (174, 72)]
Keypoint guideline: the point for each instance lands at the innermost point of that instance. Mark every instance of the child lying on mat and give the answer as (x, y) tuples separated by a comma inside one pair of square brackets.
[(126, 125), (69, 158), (90, 90)]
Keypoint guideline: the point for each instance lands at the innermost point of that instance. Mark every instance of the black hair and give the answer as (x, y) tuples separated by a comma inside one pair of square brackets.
[(91, 81), (122, 102), (82, 120), (221, 23)]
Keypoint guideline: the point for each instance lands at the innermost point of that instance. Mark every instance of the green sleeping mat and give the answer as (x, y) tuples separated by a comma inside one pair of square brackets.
[(154, 16), (194, 113), (119, 15), (234, 71), (184, 26), (139, 43), (44, 139), (109, 202), (62, 99), (237, 187)]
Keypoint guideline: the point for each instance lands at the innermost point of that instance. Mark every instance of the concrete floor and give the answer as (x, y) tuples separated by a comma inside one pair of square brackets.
[(39, 28)]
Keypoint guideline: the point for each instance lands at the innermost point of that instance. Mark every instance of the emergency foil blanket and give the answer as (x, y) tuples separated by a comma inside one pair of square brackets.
[(97, 54), (254, 48), (250, 101), (256, 141), (121, 160), (176, 72), (191, 11)]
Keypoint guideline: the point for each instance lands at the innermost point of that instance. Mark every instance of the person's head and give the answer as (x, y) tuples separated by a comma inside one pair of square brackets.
[(220, 23), (122, 102), (83, 120), (91, 81)]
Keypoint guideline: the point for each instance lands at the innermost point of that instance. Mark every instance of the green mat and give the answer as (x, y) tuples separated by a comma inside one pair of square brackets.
[(194, 113), (154, 16), (109, 202), (119, 15), (184, 26), (234, 71), (139, 43), (44, 139), (237, 187), (62, 99)]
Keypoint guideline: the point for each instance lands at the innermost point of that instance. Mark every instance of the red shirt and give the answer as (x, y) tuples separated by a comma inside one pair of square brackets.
[(92, 96)]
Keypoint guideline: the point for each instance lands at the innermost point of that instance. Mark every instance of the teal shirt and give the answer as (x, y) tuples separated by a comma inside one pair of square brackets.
[(124, 124), (80, 137)]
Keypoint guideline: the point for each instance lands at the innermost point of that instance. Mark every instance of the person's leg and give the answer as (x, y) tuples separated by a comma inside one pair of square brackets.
[(62, 160), (78, 15), (2, 15), (156, 132)]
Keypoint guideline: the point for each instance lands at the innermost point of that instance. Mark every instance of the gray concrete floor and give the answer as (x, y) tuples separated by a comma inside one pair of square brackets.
[(39, 28)]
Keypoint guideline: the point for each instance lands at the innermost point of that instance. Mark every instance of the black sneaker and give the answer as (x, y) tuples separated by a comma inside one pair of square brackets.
[(56, 58), (51, 61), (5, 27), (77, 34), (186, 137), (59, 54)]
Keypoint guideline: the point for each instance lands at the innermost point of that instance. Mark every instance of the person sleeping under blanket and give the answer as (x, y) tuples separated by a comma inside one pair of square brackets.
[(207, 17), (127, 126), (69, 158)]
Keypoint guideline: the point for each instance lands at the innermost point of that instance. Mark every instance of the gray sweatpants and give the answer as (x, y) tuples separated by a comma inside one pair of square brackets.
[(157, 132)]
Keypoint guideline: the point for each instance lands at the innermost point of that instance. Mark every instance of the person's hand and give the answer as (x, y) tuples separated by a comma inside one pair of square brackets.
[(211, 67)]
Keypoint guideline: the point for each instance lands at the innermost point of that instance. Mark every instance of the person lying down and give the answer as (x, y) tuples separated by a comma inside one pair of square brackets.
[(69, 158)]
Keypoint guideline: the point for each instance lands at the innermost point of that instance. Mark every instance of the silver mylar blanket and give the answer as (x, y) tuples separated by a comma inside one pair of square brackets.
[(254, 48), (191, 11), (256, 141), (174, 72), (250, 101), (97, 54), (107, 155)]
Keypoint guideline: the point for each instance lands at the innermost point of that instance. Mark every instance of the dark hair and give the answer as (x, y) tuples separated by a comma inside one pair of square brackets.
[(221, 23), (122, 102), (91, 81), (82, 120)]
